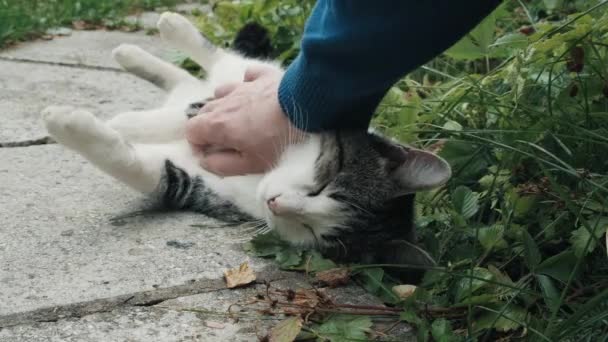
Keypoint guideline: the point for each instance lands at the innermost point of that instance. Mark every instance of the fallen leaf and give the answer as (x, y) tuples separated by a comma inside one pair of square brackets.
[(303, 301), (404, 291), (286, 331), (334, 277), (240, 276)]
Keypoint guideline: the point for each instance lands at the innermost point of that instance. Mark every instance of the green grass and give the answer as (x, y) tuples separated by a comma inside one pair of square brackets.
[(519, 108), (27, 19)]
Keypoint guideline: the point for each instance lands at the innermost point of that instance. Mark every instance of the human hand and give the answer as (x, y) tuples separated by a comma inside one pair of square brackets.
[(243, 130)]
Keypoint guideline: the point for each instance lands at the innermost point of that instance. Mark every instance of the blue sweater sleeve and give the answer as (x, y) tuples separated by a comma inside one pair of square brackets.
[(353, 51)]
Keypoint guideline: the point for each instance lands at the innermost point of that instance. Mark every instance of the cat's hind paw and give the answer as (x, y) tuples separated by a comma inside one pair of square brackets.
[(177, 31), (71, 127), (128, 55)]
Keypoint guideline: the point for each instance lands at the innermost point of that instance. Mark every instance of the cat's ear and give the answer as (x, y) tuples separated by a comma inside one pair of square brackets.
[(421, 170), (413, 169)]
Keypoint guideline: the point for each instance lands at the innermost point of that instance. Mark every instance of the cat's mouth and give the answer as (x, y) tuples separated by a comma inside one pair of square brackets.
[(294, 229)]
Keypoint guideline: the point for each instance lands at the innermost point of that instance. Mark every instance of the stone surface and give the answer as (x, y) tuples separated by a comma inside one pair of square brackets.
[(59, 245), (90, 48), (27, 88), (217, 315), (145, 324)]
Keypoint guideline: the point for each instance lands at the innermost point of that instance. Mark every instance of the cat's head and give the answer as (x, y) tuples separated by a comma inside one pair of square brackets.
[(340, 187)]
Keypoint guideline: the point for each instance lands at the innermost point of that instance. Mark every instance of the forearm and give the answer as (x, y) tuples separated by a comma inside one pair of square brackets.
[(353, 51)]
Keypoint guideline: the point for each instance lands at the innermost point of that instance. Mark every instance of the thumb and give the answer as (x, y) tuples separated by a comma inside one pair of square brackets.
[(230, 163)]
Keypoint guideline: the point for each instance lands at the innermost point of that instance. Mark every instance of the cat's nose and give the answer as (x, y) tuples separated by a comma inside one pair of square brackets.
[(273, 206)]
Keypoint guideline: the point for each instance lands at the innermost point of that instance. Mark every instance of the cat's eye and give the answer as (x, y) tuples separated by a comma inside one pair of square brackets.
[(318, 190)]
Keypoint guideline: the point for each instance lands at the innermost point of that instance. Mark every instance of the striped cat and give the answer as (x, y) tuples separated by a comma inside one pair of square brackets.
[(349, 194)]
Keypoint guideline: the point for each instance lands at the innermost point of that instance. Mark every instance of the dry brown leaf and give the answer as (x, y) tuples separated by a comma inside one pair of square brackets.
[(334, 277), (240, 276), (287, 330), (303, 301)]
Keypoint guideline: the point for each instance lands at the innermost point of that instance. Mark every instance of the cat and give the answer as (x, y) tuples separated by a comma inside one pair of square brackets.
[(350, 194)]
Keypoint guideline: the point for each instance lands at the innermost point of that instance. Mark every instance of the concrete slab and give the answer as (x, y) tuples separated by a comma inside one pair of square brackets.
[(145, 324), (27, 88), (90, 48), (59, 245)]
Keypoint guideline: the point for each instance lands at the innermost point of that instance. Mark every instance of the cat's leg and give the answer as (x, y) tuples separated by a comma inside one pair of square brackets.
[(139, 166), (151, 126), (151, 68), (179, 33)]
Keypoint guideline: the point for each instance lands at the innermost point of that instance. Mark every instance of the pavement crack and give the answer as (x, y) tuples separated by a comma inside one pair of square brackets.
[(151, 302), (29, 142), (142, 298), (63, 64)]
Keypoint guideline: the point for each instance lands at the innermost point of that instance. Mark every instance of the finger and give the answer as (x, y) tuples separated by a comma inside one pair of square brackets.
[(209, 129), (230, 164), (254, 72), (225, 89), (208, 106)]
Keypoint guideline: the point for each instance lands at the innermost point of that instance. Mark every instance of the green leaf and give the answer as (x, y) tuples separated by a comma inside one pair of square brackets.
[(289, 257), (558, 266), (505, 46), (583, 242), (550, 292), (491, 237), (465, 201), (483, 299), (286, 331), (372, 279), (511, 318), (524, 205), (343, 328), (421, 324), (531, 253), (266, 245), (477, 43), (442, 331), (465, 159), (552, 4), (466, 287), (313, 261)]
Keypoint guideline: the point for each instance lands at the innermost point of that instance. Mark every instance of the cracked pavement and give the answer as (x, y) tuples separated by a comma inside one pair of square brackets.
[(75, 265)]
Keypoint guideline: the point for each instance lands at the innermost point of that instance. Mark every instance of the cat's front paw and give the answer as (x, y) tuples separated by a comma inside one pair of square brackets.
[(175, 29), (68, 126)]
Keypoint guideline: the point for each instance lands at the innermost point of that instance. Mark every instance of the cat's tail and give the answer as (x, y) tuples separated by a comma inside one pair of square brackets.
[(253, 41)]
